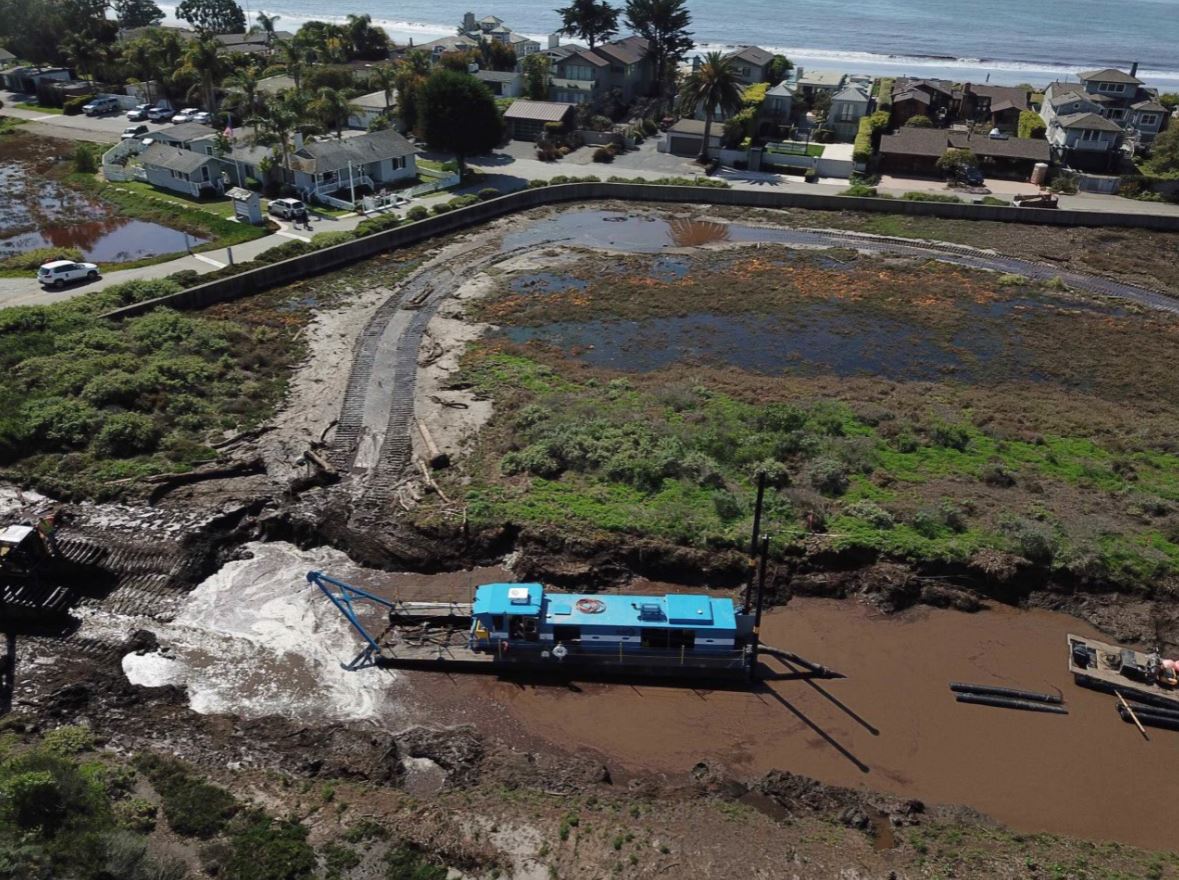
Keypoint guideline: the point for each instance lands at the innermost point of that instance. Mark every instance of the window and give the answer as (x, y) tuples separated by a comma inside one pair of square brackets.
[(1090, 134), (1149, 120), (1117, 113), (1113, 88)]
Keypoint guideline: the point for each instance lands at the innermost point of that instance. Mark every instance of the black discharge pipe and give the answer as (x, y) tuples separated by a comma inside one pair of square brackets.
[(960, 687), (1011, 703), (1150, 719), (1161, 711), (761, 589), (761, 494)]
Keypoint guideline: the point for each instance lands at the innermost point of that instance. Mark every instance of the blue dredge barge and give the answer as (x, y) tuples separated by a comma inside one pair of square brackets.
[(525, 628)]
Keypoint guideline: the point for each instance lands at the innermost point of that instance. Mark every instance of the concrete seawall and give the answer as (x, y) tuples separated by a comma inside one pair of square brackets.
[(339, 256)]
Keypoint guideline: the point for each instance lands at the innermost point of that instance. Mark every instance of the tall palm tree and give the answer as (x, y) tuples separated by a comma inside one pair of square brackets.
[(204, 62), (384, 78), (296, 58), (244, 82), (357, 29), (332, 109), (277, 124), (715, 87), (84, 54), (266, 23)]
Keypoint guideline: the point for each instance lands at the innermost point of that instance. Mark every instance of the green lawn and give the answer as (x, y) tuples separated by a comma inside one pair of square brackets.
[(24, 105), (221, 207)]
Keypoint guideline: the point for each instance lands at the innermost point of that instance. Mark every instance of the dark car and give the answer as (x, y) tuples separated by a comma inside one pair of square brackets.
[(968, 175)]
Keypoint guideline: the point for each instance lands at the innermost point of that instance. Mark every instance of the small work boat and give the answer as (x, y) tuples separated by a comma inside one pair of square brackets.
[(1146, 677)]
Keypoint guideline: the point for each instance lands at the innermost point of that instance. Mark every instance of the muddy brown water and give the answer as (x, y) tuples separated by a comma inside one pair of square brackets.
[(891, 725)]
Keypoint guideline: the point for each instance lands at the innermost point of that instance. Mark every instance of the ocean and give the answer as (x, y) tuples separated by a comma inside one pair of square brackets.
[(1003, 41)]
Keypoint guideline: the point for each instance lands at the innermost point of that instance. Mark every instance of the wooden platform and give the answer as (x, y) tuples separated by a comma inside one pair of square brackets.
[(1105, 672)]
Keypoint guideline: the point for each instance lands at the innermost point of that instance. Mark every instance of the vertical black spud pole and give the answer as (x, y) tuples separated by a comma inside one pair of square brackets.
[(761, 589), (761, 494)]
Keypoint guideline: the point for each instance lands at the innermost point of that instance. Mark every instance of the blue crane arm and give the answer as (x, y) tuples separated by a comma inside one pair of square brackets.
[(342, 595)]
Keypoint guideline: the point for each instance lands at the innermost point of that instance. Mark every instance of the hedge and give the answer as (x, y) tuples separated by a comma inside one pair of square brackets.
[(870, 126), (1031, 125)]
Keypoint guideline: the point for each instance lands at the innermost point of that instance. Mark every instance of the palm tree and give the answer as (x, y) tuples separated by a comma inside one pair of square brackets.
[(203, 61), (715, 87), (357, 29), (266, 23), (332, 109), (277, 124), (244, 82), (385, 79), (296, 58), (83, 53)]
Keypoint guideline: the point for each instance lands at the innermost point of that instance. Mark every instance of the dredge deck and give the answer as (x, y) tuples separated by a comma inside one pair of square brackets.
[(1114, 669)]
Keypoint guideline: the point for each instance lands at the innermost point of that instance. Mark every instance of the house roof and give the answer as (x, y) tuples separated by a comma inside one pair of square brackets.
[(1109, 75), (497, 75), (754, 55), (631, 50), (185, 132), (852, 94), (933, 142), (538, 111), (911, 95), (372, 101), (781, 90), (923, 85), (252, 38), (272, 85), (588, 57), (1150, 106), (330, 155), (6, 56), (1013, 97), (164, 156), (695, 127), (1087, 121), (447, 44), (821, 78), (520, 38)]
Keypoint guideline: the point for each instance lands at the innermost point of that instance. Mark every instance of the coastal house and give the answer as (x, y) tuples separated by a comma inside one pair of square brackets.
[(577, 76), (1117, 96), (502, 83), (373, 160), (1086, 141), (181, 171), (526, 120), (778, 106), (684, 138), (437, 48), (368, 108), (27, 79), (932, 98), (751, 63), (183, 136), (993, 106), (252, 43), (274, 86), (492, 28), (914, 150), (848, 107), (809, 83)]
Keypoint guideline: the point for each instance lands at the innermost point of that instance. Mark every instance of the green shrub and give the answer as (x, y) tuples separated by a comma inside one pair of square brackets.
[(377, 224), (858, 189), (919, 121), (872, 513), (68, 740), (269, 849), (867, 136), (136, 814), (1031, 125), (185, 278), (85, 158), (828, 476), (991, 200), (126, 434), (284, 251), (328, 239), (537, 183), (33, 259), (58, 423), (406, 863), (603, 155), (1032, 540), (193, 808), (73, 106), (416, 213), (488, 193), (916, 196), (950, 436)]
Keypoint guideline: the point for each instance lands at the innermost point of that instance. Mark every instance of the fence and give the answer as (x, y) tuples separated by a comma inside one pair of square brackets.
[(115, 167), (440, 180), (340, 256)]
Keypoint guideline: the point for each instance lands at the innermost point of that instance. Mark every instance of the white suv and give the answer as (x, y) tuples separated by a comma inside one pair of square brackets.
[(288, 209), (61, 272)]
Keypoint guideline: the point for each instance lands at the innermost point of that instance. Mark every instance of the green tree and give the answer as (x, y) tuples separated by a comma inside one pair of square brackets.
[(536, 75), (594, 21), (955, 158), (664, 25), (458, 114), (204, 63), (1031, 125), (411, 77), (384, 79), (213, 16), (715, 87), (780, 65), (243, 84), (137, 13), (296, 57), (266, 24), (366, 41), (332, 109), (277, 124), (1164, 152)]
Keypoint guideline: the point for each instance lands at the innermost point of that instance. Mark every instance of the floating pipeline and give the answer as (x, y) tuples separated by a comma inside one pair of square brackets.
[(1150, 718), (1011, 703), (990, 690)]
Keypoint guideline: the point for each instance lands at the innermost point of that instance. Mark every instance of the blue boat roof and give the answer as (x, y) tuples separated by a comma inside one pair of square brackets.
[(563, 609)]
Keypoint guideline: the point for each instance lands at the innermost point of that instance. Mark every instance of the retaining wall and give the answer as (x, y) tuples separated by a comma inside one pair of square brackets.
[(339, 256)]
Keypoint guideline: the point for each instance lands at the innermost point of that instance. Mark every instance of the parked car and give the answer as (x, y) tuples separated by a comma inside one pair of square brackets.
[(100, 106), (288, 209), (185, 115), (968, 175), (160, 114), (59, 273), (203, 117), (133, 131), (138, 113)]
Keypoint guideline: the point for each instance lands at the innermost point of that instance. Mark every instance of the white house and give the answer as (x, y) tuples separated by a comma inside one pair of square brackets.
[(502, 83), (1085, 140), (848, 106), (368, 108), (375, 159), (182, 171)]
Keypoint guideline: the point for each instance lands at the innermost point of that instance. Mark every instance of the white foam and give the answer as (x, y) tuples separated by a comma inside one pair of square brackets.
[(256, 639)]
